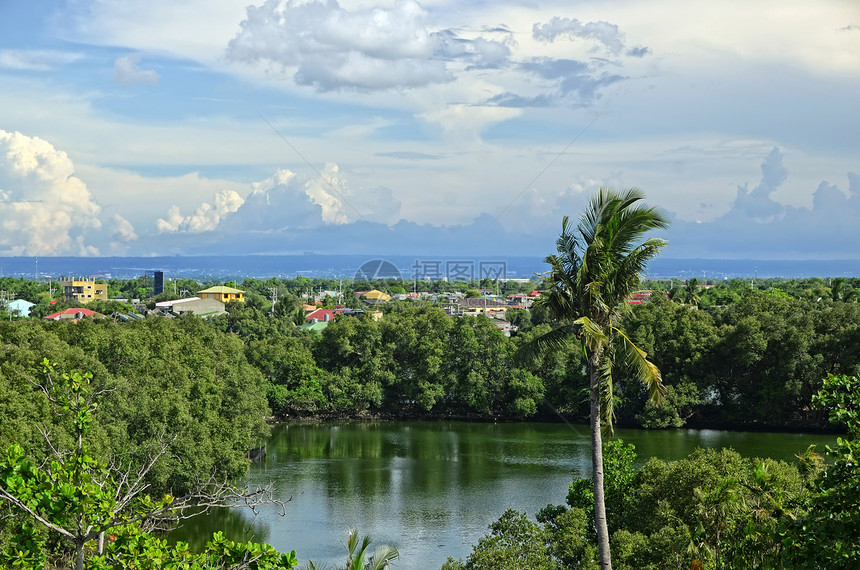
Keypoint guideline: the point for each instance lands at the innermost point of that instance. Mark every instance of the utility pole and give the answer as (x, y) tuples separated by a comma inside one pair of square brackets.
[(274, 291)]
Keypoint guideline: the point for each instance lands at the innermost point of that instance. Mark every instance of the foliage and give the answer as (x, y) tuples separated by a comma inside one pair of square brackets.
[(176, 376), (828, 536), (80, 498), (714, 509), (359, 557), (514, 543), (597, 267)]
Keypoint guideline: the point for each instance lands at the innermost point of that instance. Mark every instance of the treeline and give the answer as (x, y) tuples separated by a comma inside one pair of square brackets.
[(754, 362), (731, 355), (757, 360), (415, 361), (179, 379)]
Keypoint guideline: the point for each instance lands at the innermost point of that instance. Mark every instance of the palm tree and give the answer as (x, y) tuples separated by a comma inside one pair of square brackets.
[(597, 267), (358, 551)]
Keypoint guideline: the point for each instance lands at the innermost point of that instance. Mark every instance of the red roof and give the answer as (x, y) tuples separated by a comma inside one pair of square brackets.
[(74, 313), (320, 314)]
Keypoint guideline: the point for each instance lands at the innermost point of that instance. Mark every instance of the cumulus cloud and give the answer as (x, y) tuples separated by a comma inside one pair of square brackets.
[(757, 226), (123, 234), (123, 231), (45, 209), (469, 121), (572, 77), (757, 203), (331, 48), (341, 205), (638, 51), (126, 72), (205, 218), (603, 33)]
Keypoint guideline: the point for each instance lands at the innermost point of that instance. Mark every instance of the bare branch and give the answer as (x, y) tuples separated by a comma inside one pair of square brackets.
[(23, 506)]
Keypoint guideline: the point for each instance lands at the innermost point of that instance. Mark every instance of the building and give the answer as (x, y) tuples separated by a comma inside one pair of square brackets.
[(223, 293), (323, 315), (192, 306), (74, 314), (375, 297), (84, 290), (19, 308)]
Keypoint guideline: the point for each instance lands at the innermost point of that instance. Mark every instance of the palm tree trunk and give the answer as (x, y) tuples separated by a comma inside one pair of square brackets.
[(597, 463)]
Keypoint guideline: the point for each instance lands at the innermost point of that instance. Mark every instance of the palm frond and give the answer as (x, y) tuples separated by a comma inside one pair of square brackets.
[(382, 557), (645, 370), (552, 340), (592, 333)]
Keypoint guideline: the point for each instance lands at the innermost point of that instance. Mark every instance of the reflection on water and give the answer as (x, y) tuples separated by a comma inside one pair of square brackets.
[(198, 530), (432, 488)]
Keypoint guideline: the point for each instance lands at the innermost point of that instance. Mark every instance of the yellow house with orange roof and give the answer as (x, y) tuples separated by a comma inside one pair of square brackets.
[(223, 293)]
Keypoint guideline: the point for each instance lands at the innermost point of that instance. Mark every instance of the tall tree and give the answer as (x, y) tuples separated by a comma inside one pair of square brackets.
[(598, 265)]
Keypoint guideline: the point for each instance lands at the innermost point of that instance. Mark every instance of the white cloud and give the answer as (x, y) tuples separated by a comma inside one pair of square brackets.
[(45, 209), (327, 192), (468, 121), (123, 230), (205, 218), (609, 35), (342, 205), (127, 73), (332, 48), (36, 60)]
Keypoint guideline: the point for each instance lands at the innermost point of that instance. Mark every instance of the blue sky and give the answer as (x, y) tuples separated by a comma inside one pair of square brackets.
[(432, 128)]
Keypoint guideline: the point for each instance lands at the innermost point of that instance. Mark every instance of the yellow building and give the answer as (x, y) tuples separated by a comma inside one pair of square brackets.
[(84, 290), (223, 294), (375, 297)]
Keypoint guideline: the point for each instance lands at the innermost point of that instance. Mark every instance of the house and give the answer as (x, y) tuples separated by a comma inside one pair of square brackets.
[(192, 306), (503, 325), (223, 293), (323, 315), (19, 308), (483, 305), (375, 297), (74, 314), (168, 305), (83, 290)]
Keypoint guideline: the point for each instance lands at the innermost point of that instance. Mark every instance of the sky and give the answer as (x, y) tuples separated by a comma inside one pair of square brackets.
[(443, 127)]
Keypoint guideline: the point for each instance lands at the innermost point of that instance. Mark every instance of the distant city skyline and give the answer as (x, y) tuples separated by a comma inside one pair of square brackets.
[(380, 127)]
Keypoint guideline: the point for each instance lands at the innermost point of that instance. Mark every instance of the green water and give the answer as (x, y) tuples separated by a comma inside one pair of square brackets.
[(432, 488)]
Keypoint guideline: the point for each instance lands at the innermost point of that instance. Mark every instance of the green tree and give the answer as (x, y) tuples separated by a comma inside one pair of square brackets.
[(597, 267), (514, 543), (829, 535), (81, 498)]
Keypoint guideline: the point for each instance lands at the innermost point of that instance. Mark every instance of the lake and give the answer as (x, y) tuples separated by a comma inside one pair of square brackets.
[(432, 488)]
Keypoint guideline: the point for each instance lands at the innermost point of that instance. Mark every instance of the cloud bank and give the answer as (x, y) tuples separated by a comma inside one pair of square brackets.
[(45, 209), (759, 227)]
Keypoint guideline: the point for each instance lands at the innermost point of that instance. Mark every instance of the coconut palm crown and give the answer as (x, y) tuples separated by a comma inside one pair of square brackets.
[(597, 266)]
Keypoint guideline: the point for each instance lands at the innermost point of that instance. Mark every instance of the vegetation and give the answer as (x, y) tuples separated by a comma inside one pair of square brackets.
[(711, 510), (732, 353), (81, 500), (597, 268)]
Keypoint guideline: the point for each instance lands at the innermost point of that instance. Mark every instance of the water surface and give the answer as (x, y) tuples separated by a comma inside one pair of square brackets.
[(432, 488)]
